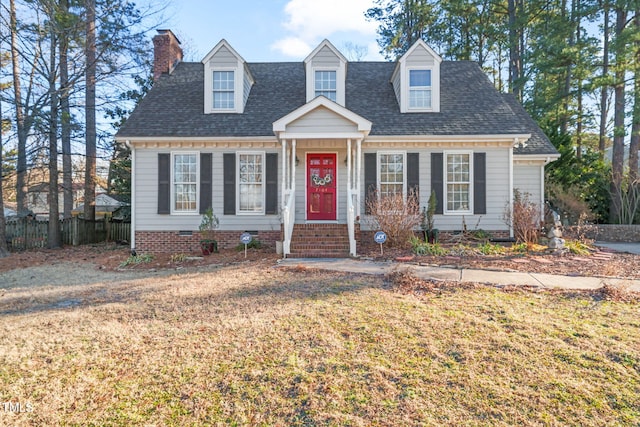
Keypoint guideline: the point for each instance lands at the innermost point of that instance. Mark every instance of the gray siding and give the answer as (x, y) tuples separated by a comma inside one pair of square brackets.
[(397, 86), (146, 186), (526, 178), (497, 179), (325, 58), (321, 120), (246, 88), (223, 58), (420, 56)]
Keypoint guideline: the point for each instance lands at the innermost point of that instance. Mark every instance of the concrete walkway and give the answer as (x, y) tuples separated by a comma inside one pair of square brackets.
[(631, 248), (499, 278)]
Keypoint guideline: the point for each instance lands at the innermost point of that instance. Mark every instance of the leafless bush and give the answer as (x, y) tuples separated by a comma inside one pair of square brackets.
[(396, 216), (584, 231), (524, 218), (569, 203)]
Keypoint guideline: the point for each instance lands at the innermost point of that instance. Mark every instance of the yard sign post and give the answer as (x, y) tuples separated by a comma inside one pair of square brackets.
[(380, 237), (245, 238)]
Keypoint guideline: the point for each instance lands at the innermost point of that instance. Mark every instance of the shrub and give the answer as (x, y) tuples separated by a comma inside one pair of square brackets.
[(576, 247), (396, 216), (423, 248), (254, 244), (524, 218)]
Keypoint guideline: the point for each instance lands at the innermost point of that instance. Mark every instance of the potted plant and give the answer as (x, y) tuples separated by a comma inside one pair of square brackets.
[(208, 226), (427, 224)]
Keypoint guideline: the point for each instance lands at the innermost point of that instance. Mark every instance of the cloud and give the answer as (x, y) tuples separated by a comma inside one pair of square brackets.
[(310, 21), (292, 46)]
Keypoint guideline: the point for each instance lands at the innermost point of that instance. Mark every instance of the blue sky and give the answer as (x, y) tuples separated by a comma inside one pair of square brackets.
[(271, 30)]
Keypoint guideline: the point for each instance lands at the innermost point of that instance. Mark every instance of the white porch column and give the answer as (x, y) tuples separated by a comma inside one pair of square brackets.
[(284, 174), (349, 188), (358, 178), (293, 165)]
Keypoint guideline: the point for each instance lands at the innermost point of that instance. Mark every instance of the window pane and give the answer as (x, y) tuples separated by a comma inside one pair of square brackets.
[(420, 98), (325, 84), (419, 78), (250, 177), (223, 90), (458, 182), (185, 188), (391, 174)]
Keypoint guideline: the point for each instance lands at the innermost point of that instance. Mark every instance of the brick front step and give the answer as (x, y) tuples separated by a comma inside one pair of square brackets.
[(320, 241)]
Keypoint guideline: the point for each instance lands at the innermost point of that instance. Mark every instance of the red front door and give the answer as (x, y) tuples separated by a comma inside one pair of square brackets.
[(321, 186)]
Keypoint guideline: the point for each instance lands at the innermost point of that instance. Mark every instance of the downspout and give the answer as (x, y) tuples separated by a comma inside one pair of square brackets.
[(127, 143), (511, 234)]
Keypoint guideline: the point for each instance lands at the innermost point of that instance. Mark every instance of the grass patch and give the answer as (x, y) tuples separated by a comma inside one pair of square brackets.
[(255, 345)]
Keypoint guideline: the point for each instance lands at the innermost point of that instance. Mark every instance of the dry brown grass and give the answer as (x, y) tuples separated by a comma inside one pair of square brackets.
[(250, 344)]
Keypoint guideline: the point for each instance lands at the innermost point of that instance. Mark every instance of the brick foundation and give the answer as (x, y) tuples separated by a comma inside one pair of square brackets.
[(172, 242)]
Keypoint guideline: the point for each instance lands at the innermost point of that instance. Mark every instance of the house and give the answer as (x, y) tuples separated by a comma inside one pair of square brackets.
[(289, 150), (105, 204), (38, 197)]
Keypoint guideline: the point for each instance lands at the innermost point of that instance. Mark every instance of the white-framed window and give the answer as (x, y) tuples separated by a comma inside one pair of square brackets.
[(392, 177), (224, 90), (458, 178), (251, 180), (326, 84), (184, 182), (420, 89)]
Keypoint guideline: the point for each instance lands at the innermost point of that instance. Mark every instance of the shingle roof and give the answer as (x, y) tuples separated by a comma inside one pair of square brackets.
[(469, 105)]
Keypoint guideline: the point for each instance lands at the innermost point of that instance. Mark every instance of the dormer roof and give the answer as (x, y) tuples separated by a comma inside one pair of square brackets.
[(325, 44)]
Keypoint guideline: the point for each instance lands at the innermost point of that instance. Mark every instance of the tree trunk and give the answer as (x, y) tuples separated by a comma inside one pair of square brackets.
[(634, 145), (65, 120), (90, 113), (21, 167), (578, 22), (605, 73), (53, 235), (617, 162), (566, 90), (516, 42), (3, 237)]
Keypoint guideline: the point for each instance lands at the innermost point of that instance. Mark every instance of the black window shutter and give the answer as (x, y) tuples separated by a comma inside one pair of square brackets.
[(413, 175), (164, 184), (271, 184), (206, 184), (437, 179), (229, 186), (370, 179), (479, 183)]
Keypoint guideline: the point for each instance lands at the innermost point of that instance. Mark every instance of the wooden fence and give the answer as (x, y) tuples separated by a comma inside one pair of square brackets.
[(29, 233)]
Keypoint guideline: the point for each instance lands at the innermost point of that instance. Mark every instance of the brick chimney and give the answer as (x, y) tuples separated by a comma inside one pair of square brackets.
[(166, 53)]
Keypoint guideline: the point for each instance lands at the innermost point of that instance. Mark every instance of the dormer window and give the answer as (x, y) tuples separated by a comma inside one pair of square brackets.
[(227, 80), (326, 73), (416, 80), (223, 90), (420, 89), (325, 82)]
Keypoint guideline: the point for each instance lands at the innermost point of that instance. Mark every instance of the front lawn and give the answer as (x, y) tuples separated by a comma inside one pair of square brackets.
[(252, 344)]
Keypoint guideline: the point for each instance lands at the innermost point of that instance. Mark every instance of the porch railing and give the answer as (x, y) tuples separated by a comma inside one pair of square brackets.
[(351, 217), (288, 219)]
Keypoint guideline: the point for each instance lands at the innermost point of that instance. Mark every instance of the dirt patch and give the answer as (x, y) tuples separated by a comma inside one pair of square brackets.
[(598, 263), (113, 257)]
